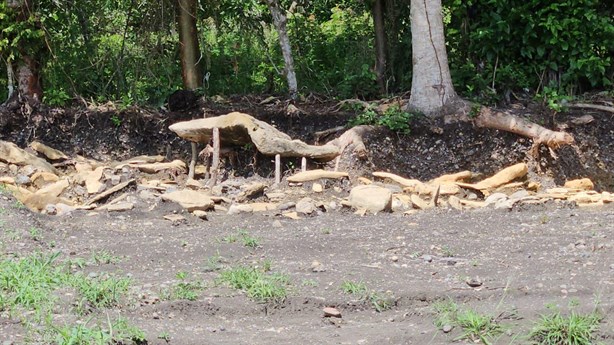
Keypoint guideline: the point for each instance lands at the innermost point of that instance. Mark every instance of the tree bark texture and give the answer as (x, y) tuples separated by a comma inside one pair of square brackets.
[(27, 67), (377, 11), (191, 68), (507, 122), (279, 20), (432, 87)]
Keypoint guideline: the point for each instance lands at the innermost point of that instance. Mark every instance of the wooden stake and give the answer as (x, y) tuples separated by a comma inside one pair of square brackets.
[(277, 168), (192, 162), (304, 164), (215, 164)]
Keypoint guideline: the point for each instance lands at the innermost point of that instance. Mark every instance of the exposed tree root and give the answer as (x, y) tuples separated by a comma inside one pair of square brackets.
[(592, 106), (507, 122), (353, 136)]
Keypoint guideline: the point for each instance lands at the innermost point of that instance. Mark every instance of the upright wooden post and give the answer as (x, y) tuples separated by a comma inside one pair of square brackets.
[(277, 168), (192, 162), (304, 164), (215, 164)]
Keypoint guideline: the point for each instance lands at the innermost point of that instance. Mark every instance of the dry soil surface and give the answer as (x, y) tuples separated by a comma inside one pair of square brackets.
[(523, 260)]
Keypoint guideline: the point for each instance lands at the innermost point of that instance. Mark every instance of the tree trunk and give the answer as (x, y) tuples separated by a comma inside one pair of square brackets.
[(27, 68), (28, 80), (431, 88), (279, 20), (191, 70), (380, 44)]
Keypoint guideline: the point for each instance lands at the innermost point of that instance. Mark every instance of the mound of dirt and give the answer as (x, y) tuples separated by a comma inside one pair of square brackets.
[(433, 147)]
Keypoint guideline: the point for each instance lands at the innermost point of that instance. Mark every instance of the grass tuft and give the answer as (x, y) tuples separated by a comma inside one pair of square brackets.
[(575, 329), (258, 285), (378, 301)]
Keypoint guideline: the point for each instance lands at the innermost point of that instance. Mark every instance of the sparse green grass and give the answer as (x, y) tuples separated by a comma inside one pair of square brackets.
[(103, 257), (258, 285), (249, 241), (118, 332), (13, 235), (309, 282), (101, 292), (28, 282), (475, 326), (232, 238), (214, 263), (184, 289), (575, 329), (354, 288), (27, 287), (446, 312), (244, 236), (446, 252), (360, 289), (35, 234), (165, 336)]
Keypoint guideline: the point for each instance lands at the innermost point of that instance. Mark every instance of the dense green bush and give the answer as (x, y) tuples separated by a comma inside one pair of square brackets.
[(497, 46), (127, 50)]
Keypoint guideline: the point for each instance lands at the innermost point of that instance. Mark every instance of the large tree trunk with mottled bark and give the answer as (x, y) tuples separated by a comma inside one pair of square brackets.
[(431, 89), (26, 70), (377, 11), (432, 92), (279, 20), (191, 70)]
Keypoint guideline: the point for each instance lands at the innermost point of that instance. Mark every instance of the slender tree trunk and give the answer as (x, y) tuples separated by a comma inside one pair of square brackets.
[(191, 70), (380, 44), (431, 88), (27, 68), (279, 20)]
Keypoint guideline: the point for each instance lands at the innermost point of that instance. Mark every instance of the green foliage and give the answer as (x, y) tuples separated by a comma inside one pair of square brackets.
[(500, 46), (127, 51), (258, 285), (378, 301), (28, 282), (101, 292), (393, 118), (477, 326), (118, 332), (552, 99), (575, 329), (184, 289)]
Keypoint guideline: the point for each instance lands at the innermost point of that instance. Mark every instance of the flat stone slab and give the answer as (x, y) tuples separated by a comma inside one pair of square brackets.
[(240, 129)]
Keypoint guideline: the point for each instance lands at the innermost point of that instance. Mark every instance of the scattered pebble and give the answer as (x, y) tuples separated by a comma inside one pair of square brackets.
[(331, 312)]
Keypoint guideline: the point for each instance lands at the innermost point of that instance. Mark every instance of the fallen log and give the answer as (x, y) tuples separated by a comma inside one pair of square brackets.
[(488, 118), (501, 178), (591, 106)]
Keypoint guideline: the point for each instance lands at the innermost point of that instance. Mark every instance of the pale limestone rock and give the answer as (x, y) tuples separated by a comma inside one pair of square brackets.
[(12, 154), (372, 198), (580, 184), (92, 180), (191, 200), (42, 178), (47, 151), (305, 206), (241, 129), (119, 207), (494, 198), (240, 208), (200, 214), (312, 175)]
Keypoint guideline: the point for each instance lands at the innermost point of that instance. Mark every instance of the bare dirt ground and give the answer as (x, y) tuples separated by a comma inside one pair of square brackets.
[(526, 260), (522, 263)]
